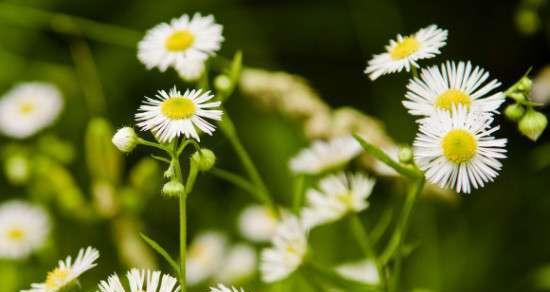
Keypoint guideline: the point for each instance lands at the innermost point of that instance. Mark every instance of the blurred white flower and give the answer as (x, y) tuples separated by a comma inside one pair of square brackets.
[(23, 229), (29, 108), (457, 150), (183, 40), (173, 114), (204, 257), (191, 70), (322, 155), (238, 265), (289, 246), (405, 51), (139, 281), (257, 223), (67, 271), (337, 195), (450, 85), (125, 139), (363, 271), (541, 87), (222, 288)]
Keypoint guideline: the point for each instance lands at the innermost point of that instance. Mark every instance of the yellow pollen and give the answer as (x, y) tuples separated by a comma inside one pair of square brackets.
[(56, 278), (180, 41), (177, 108), (16, 234), (452, 97), (459, 146), (26, 107), (405, 48), (346, 199)]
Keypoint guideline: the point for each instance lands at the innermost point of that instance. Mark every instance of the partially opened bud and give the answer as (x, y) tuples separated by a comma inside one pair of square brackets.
[(532, 124), (125, 139), (173, 188), (204, 159), (514, 112)]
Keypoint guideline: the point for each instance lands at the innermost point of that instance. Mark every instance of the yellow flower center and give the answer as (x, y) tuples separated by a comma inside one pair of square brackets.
[(56, 278), (180, 41), (26, 108), (177, 108), (452, 97), (16, 234), (459, 146), (405, 48), (346, 199)]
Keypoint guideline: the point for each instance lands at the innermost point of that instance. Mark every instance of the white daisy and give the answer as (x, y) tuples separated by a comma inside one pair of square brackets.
[(337, 195), (23, 229), (405, 51), (289, 246), (173, 114), (363, 271), (205, 255), (451, 85), (140, 281), (238, 265), (191, 70), (67, 271), (29, 108), (182, 40), (257, 223), (322, 156), (222, 288), (456, 149)]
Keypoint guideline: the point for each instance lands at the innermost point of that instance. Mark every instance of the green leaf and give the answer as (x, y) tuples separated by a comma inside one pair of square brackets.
[(161, 251)]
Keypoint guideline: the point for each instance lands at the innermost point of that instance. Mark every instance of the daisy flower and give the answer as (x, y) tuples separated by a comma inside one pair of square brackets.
[(238, 265), (139, 281), (204, 257), (363, 271), (191, 71), (457, 150), (173, 114), (322, 156), (337, 195), (403, 52), (289, 246), (222, 288), (67, 271), (183, 40), (452, 84), (23, 229), (29, 108), (257, 223)]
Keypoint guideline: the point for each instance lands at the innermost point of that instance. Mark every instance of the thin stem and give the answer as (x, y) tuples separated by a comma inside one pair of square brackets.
[(414, 71), (365, 243), (298, 194), (183, 223), (154, 145), (235, 180)]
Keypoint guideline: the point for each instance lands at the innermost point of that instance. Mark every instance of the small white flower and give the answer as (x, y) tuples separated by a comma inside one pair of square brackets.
[(337, 195), (183, 40), (29, 108), (192, 70), (140, 281), (239, 264), (23, 229), (325, 155), (67, 271), (125, 139), (452, 84), (173, 114), (222, 288), (363, 271), (257, 223), (205, 255), (404, 52), (289, 246), (457, 150)]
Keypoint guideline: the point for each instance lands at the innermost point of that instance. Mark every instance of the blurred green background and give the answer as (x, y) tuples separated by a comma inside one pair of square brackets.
[(495, 239)]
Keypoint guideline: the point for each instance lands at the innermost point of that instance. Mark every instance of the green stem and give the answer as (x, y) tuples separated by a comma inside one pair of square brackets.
[(298, 197), (359, 231), (414, 71), (182, 222), (235, 180), (155, 145)]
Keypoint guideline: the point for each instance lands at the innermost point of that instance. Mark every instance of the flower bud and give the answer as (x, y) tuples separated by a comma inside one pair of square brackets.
[(532, 124), (405, 154), (222, 83), (514, 112), (17, 169), (125, 139), (525, 84), (173, 188), (204, 159)]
